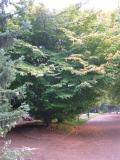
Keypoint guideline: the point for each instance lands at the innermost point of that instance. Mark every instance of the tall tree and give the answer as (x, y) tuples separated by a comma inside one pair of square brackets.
[(8, 115), (71, 75)]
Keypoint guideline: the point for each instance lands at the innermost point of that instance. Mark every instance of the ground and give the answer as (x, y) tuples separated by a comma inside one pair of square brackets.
[(99, 139)]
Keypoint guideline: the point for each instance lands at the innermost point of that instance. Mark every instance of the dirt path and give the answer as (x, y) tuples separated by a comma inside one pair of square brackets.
[(99, 139)]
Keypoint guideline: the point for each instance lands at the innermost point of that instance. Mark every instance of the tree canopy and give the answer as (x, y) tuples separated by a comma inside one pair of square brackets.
[(70, 59)]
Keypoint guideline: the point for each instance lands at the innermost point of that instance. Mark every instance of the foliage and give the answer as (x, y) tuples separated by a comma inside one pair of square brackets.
[(70, 60), (14, 154), (8, 115)]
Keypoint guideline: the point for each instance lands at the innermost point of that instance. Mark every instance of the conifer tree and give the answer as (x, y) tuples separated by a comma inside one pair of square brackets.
[(8, 116)]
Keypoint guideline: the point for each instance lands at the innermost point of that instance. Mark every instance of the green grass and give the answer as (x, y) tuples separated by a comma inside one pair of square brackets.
[(69, 124), (76, 122), (83, 118), (92, 115)]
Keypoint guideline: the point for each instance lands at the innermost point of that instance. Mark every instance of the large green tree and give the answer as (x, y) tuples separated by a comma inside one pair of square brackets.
[(67, 65)]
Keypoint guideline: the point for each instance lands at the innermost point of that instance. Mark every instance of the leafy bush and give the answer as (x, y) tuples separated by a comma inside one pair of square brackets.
[(14, 154)]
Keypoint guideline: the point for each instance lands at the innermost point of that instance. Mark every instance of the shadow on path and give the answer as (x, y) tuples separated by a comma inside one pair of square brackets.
[(99, 139)]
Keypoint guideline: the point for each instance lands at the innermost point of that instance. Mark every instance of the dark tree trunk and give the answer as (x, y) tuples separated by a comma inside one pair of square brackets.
[(47, 121), (60, 120)]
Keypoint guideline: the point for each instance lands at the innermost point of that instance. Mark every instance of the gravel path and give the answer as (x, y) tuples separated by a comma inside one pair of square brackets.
[(99, 139)]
